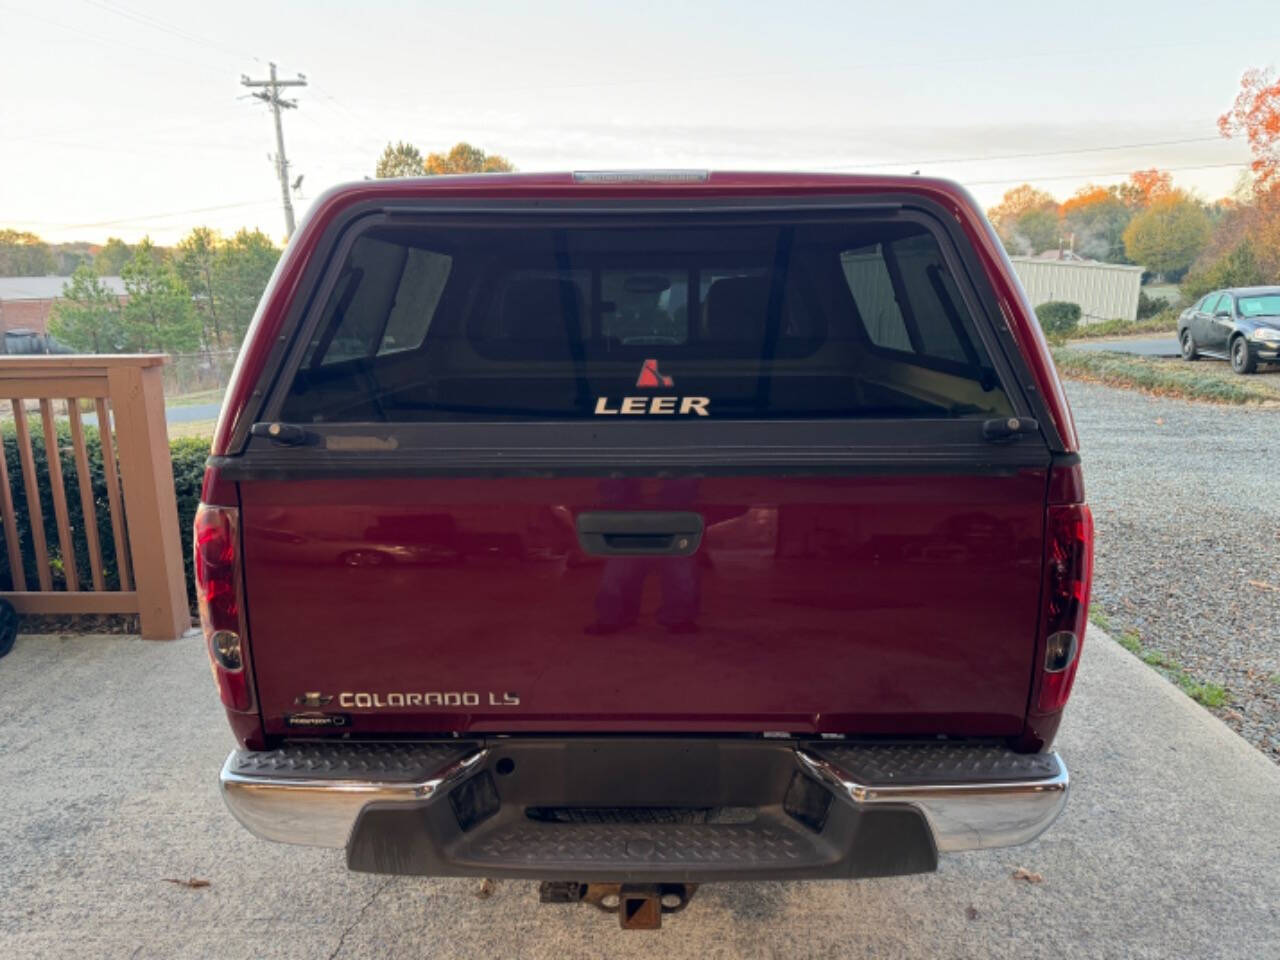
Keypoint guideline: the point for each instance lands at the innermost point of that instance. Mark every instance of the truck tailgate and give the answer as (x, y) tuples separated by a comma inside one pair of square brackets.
[(844, 604)]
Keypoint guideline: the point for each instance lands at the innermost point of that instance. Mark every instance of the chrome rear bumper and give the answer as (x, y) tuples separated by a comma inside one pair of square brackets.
[(970, 797), (317, 812), (962, 815)]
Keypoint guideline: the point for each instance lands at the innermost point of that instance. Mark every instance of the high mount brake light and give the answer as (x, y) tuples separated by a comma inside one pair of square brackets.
[(217, 566), (640, 176), (1067, 571)]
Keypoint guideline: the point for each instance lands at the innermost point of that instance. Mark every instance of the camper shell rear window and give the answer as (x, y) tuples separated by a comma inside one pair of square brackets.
[(852, 319)]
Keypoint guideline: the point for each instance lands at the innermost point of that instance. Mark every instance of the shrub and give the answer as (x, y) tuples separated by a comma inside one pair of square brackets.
[(188, 455), (1149, 306), (1058, 318)]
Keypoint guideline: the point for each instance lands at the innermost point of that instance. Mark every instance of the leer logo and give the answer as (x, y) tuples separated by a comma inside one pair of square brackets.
[(650, 378)]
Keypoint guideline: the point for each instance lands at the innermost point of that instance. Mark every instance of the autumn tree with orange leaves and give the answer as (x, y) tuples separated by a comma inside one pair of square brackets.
[(1093, 220), (1144, 187), (1026, 220), (1245, 247), (1255, 115), (464, 158)]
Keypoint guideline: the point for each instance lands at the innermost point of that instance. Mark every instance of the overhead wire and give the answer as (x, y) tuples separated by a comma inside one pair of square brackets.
[(332, 102)]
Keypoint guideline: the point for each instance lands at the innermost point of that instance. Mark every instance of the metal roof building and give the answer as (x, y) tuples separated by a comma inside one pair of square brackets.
[(26, 302), (48, 288), (1104, 291)]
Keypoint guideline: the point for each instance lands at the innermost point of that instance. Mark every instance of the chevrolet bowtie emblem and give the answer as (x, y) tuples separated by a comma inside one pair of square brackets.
[(313, 698)]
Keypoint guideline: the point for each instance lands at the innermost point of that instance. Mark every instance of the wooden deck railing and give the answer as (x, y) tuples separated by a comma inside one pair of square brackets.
[(127, 400)]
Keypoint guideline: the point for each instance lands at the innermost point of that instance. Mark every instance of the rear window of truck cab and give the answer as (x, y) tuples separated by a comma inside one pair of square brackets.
[(812, 320)]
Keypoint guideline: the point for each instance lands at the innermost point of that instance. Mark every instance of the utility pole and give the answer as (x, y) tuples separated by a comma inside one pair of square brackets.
[(271, 95)]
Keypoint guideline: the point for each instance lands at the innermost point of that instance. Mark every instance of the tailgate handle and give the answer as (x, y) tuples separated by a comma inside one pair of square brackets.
[(634, 533)]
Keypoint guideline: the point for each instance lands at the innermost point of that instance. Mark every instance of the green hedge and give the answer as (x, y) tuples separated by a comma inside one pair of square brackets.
[(1150, 306), (188, 456), (1058, 318)]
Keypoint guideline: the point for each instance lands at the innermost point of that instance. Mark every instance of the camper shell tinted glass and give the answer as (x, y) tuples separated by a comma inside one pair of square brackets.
[(856, 319)]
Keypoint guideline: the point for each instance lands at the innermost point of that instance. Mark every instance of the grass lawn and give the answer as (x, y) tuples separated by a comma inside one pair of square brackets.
[(1210, 380), (1164, 291), (195, 399), (192, 428)]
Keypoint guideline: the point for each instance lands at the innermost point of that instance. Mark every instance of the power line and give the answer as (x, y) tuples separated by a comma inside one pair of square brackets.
[(147, 216), (255, 203), (155, 23), (1024, 156), (348, 112), (1110, 173), (684, 80), (111, 41), (268, 91), (144, 218)]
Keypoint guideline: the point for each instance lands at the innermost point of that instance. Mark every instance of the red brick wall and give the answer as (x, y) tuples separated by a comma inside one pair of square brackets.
[(25, 315)]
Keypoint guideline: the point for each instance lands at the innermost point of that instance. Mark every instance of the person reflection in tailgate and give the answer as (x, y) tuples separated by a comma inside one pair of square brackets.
[(622, 580)]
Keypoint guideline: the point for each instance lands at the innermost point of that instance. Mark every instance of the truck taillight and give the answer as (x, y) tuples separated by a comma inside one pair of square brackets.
[(1068, 569), (218, 589)]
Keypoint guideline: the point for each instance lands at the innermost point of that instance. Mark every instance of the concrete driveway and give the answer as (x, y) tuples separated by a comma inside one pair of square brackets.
[(110, 747)]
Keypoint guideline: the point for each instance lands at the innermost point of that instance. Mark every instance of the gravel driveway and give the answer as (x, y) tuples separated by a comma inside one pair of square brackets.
[(1186, 497)]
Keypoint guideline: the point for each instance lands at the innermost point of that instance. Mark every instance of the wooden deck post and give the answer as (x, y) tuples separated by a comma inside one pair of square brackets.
[(150, 504)]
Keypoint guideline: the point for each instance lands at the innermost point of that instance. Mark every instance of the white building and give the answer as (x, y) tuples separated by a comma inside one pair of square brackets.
[(1104, 291)]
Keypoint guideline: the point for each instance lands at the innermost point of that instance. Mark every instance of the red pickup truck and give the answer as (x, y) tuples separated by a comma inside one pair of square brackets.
[(627, 531)]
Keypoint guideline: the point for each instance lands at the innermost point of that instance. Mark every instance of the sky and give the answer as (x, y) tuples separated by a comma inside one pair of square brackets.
[(127, 118)]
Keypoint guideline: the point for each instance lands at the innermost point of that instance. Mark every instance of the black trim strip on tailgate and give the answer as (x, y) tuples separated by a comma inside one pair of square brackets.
[(543, 447)]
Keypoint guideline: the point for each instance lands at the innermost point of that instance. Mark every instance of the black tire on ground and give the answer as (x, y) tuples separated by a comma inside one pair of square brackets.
[(1242, 358), (1188, 343), (8, 626)]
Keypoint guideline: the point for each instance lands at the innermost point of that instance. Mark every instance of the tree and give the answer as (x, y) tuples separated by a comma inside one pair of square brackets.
[(1026, 220), (402, 160), (68, 256), (1037, 231), (1019, 200), (1168, 235), (194, 260), (1236, 268), (158, 315), (24, 254), (87, 318), (1144, 187), (464, 158), (1094, 219), (241, 269), (226, 278), (110, 260), (1255, 114), (1254, 217)]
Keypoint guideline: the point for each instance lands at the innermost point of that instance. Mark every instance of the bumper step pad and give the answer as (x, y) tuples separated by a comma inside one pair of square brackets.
[(765, 843), (926, 763), (379, 762)]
